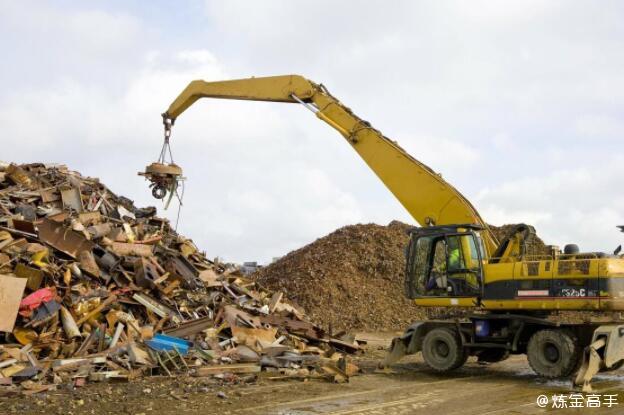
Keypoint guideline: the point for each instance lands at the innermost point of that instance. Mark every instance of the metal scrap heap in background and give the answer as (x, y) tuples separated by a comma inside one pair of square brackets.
[(93, 288)]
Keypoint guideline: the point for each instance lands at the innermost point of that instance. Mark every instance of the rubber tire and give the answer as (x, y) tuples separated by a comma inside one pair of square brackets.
[(432, 354), (568, 353)]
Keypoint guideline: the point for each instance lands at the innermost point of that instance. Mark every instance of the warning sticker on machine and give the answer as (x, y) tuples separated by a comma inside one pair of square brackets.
[(533, 293)]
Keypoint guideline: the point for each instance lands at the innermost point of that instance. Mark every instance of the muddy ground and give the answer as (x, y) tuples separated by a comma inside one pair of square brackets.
[(504, 388)]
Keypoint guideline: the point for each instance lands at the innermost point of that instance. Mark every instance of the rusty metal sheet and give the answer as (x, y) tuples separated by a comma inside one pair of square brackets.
[(33, 276), (233, 316), (59, 217), (49, 195), (189, 328), (88, 264), (72, 199), (145, 273), (303, 328), (21, 177), (64, 239), (181, 267), (24, 226)]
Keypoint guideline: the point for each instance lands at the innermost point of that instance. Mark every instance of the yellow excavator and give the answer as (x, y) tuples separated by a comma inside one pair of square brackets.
[(502, 294)]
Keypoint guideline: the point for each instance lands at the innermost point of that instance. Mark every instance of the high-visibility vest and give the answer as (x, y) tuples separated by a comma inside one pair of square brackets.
[(454, 259)]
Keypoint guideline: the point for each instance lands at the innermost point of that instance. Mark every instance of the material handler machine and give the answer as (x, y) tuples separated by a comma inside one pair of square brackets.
[(501, 294)]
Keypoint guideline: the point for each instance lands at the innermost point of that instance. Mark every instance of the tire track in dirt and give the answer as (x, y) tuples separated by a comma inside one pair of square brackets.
[(349, 395)]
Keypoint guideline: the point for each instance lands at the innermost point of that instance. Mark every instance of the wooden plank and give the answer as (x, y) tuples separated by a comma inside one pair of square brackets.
[(11, 291), (218, 369)]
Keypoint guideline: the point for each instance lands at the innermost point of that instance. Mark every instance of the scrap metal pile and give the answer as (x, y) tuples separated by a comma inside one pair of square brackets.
[(93, 288)]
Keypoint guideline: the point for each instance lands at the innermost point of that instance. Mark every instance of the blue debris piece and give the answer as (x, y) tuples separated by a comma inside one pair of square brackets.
[(161, 342), (46, 310)]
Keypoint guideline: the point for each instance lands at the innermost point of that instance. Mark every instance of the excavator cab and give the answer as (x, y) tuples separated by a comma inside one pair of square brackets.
[(445, 261)]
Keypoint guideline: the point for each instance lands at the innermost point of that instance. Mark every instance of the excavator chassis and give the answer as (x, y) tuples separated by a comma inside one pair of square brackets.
[(554, 350)]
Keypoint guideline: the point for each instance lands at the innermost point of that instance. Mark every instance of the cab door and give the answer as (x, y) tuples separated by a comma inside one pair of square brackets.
[(444, 265), (465, 272), (425, 257)]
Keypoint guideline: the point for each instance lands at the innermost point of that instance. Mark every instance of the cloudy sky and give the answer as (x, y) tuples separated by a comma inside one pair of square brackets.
[(518, 104)]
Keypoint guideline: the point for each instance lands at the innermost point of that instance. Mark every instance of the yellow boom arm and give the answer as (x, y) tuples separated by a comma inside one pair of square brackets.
[(426, 196)]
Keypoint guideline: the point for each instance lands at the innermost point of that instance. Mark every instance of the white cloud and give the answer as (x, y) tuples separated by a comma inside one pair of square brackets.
[(46, 45), (502, 141), (575, 205), (442, 154), (500, 13), (599, 126)]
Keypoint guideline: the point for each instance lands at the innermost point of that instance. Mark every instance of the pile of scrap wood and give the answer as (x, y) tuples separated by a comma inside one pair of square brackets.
[(93, 288)]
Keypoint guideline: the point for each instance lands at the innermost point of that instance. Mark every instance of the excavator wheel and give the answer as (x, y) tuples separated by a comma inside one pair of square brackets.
[(553, 353), (442, 350)]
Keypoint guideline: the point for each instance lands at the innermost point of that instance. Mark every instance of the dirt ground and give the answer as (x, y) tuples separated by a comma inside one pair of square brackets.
[(504, 388)]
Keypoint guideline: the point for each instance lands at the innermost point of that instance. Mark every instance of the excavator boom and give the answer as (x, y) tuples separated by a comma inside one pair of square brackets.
[(425, 194)]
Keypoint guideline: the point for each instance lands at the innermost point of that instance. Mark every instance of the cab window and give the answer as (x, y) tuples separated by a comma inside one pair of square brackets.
[(444, 265)]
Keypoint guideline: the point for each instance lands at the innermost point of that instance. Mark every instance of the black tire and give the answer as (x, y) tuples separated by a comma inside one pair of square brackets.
[(553, 353), (492, 355), (442, 350)]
